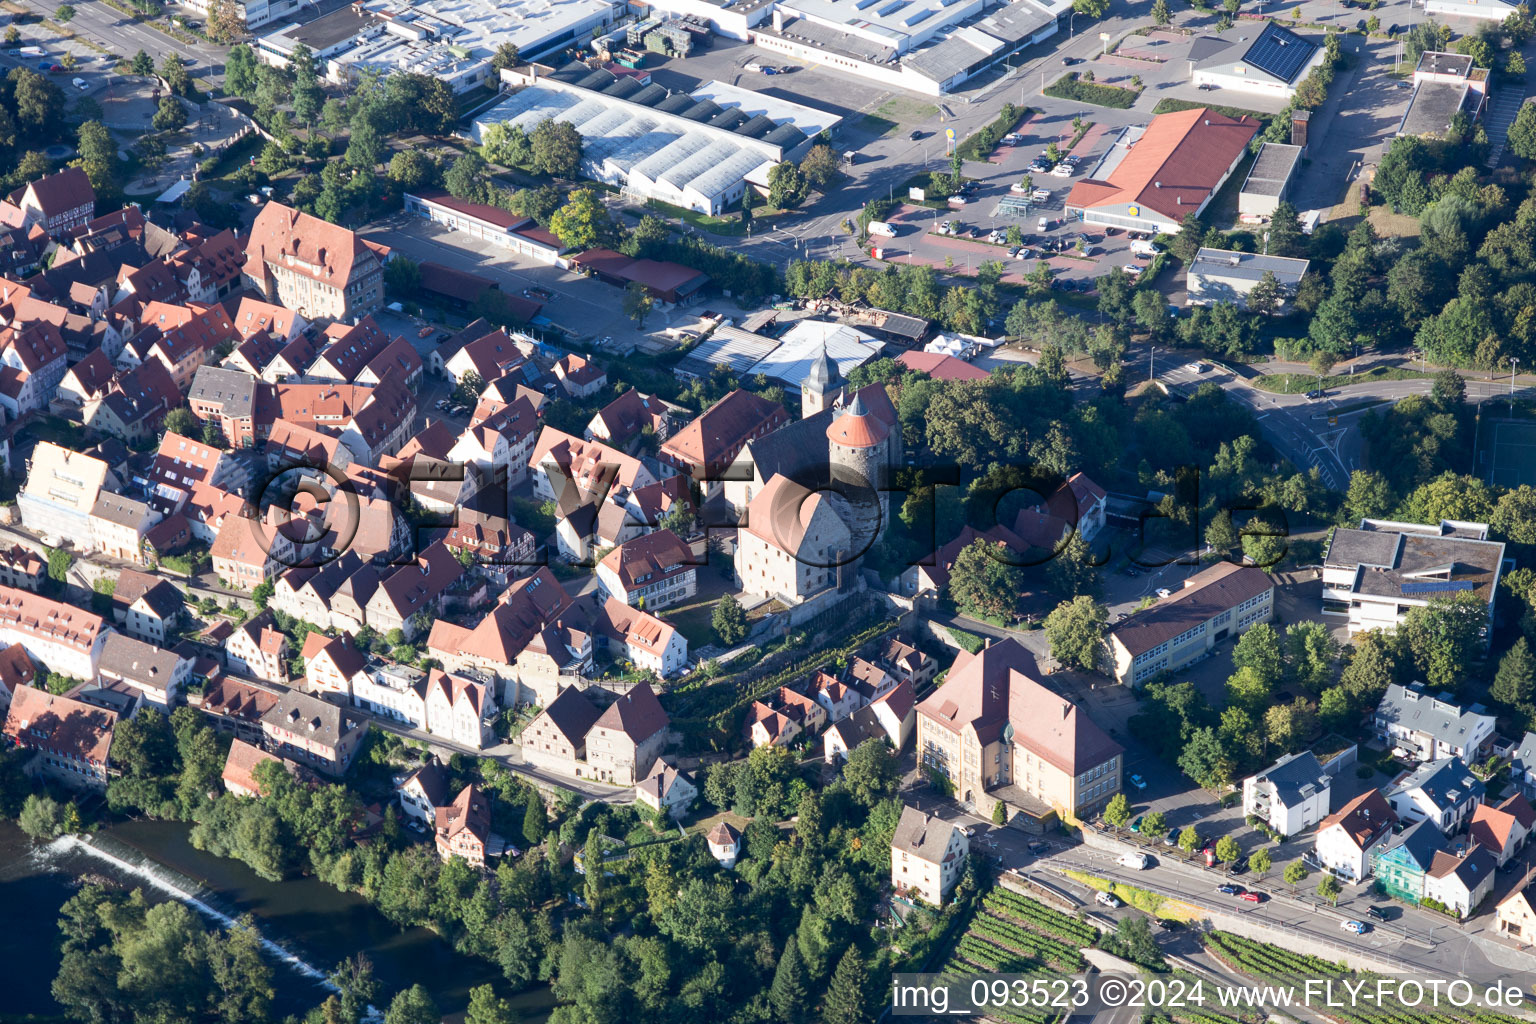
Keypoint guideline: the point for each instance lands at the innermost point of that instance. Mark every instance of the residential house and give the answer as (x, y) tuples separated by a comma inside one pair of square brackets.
[(413, 593), (667, 791), (423, 792), (642, 639), (248, 552), (66, 639), (1347, 838), (1401, 862), (22, 567), (463, 828), (927, 856), (1442, 792), (60, 492), (119, 526), (840, 699), (489, 357), (1516, 915), (998, 734), (557, 738), (58, 203), (724, 843), (16, 670), (1460, 881), (1214, 604), (890, 718), (258, 649), (331, 663), (498, 441), (254, 318), (156, 673), (623, 421), (706, 447), (227, 398), (780, 717), (236, 707), (580, 377), (239, 774), (1502, 830), (1427, 728), (653, 571), (1374, 574), (1290, 795), (348, 351), (458, 708), (313, 732), (310, 266), (70, 741), (908, 664), (33, 360), (793, 545), (393, 691), (627, 737)]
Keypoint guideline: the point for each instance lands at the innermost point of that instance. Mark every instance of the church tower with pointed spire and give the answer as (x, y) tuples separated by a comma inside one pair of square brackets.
[(822, 387)]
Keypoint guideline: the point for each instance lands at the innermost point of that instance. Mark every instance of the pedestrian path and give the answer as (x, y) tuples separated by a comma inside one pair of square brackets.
[(1501, 114)]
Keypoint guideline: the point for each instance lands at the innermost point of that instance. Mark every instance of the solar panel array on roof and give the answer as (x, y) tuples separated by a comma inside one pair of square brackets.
[(1438, 586), (1280, 52)]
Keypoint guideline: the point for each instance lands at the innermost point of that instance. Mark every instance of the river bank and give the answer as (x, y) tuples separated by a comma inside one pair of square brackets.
[(308, 926)]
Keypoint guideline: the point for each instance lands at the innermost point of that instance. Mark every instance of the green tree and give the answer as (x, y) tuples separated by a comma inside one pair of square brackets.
[(982, 583), (59, 562), (535, 820), (1227, 850), (466, 178), (175, 74), (556, 148), (1294, 873), (819, 166), (1260, 649), (170, 116), (411, 169), (1154, 823), (1074, 572), (872, 773), (1369, 497), (413, 1006), (1189, 839), (262, 593), (180, 420), (364, 148), (506, 56), (64, 13), (402, 279), (1515, 682), (788, 997), (485, 1006), (38, 103), (583, 222), (1075, 630), (729, 620), (637, 303), (786, 186), (1445, 636), (144, 64), (847, 1000), (1259, 863), (1334, 709), (1160, 13), (1118, 811), (1206, 760), (241, 976), (42, 817), (1329, 888), (1265, 297), (1310, 653)]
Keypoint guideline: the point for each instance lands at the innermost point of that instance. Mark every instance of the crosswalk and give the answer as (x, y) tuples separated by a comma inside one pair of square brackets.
[(1502, 109)]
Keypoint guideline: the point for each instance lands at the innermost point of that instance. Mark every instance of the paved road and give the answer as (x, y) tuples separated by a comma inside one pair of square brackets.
[(121, 34)]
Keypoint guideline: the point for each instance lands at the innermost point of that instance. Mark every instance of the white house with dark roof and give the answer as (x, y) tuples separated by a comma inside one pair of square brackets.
[(423, 792), (1428, 728), (1372, 575), (1272, 60), (667, 790), (1291, 794), (1226, 275), (1346, 837), (1213, 605), (153, 671), (927, 856), (1443, 792), (1460, 881)]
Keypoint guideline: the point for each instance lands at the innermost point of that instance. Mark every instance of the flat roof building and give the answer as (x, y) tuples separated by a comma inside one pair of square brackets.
[(1268, 182), (1225, 275), (1213, 605), (1444, 85), (698, 151), (448, 39), (1273, 61), (1374, 574)]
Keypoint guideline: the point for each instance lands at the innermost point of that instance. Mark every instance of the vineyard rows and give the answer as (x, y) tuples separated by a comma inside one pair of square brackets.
[(1006, 903), (1028, 942)]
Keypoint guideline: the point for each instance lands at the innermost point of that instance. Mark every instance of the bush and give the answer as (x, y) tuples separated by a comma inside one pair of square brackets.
[(979, 146), (1073, 87)]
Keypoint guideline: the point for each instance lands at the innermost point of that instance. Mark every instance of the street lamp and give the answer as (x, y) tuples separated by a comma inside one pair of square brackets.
[(1514, 368), (1071, 26)]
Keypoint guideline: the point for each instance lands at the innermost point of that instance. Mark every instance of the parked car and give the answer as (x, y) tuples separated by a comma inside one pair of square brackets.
[(1136, 825), (770, 71), (1139, 782), (1038, 847), (1136, 861), (1172, 838), (1108, 899), (1376, 912), (80, 84), (1018, 189), (914, 135), (424, 332), (1134, 269), (1069, 61), (1062, 170)]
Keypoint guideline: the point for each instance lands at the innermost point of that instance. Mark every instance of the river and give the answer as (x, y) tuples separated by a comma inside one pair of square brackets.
[(308, 925)]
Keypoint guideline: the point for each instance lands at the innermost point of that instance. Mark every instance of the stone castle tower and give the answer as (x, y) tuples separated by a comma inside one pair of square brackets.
[(822, 387), (859, 454)]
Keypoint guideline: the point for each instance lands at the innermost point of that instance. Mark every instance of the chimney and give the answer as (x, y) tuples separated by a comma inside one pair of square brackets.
[(1299, 119)]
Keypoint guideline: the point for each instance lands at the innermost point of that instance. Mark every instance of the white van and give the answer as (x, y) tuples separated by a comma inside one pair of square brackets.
[(880, 227), (1138, 861), (79, 83), (1144, 249)]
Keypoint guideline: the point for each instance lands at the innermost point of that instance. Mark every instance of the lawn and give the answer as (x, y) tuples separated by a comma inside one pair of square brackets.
[(1301, 383), (895, 112), (1071, 87), (694, 621)]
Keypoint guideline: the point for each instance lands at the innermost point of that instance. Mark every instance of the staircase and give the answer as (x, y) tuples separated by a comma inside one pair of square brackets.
[(1501, 114)]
